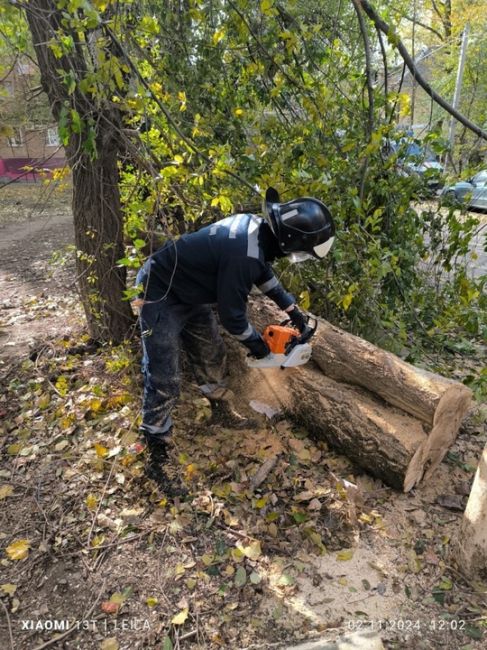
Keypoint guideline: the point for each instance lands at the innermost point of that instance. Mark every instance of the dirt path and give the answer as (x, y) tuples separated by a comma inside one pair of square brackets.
[(27, 275)]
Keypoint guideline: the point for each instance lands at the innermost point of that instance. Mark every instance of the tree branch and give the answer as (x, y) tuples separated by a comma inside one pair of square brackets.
[(368, 66), (396, 42), (424, 26)]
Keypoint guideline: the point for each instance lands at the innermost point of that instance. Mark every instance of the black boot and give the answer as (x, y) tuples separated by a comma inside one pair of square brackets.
[(156, 467)]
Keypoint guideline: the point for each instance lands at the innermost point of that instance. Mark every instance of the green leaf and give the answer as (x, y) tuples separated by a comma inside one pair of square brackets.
[(240, 577), (167, 644), (285, 580), (255, 578)]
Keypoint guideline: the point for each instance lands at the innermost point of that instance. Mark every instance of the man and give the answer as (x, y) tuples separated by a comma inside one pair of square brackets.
[(217, 265)]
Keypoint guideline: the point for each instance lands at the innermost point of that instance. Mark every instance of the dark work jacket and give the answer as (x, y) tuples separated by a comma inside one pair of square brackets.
[(220, 264)]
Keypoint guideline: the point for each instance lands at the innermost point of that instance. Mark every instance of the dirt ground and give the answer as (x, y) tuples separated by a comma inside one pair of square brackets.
[(93, 552)]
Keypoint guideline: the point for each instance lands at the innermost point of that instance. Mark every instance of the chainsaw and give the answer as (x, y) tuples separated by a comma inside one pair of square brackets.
[(288, 347)]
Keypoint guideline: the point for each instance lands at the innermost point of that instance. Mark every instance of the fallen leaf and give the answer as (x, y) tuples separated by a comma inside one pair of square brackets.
[(151, 601), (6, 491), (452, 501), (345, 555), (167, 644), (252, 551), (14, 449), (240, 577), (8, 588), (91, 501), (109, 644), (108, 607), (18, 550), (181, 617), (101, 451), (285, 580), (255, 578)]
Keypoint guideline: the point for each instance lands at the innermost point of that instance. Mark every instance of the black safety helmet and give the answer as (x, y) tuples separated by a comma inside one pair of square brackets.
[(302, 225)]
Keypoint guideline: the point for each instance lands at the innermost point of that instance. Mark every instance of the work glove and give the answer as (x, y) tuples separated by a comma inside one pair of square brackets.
[(298, 319), (257, 347)]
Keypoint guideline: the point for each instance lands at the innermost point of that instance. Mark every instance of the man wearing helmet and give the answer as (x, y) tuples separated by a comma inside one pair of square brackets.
[(217, 265)]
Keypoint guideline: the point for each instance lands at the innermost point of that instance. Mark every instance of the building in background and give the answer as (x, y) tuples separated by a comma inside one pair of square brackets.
[(29, 142)]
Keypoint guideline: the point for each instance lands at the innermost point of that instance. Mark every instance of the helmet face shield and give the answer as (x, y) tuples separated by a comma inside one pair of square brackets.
[(323, 249), (299, 256)]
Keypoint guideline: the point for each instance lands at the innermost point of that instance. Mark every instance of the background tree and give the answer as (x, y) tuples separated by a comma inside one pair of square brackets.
[(198, 106)]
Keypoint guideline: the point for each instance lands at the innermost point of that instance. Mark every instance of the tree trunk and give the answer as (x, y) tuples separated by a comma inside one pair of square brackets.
[(99, 243), (471, 547), (393, 419), (97, 214)]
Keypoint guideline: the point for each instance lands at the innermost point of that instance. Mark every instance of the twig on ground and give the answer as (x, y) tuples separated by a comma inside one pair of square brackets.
[(8, 625), (105, 487), (264, 470)]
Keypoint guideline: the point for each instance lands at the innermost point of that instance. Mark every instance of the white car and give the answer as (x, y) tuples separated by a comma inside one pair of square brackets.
[(472, 192)]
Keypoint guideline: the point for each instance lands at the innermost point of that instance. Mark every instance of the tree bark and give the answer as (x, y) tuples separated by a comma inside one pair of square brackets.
[(470, 550), (98, 219), (381, 439)]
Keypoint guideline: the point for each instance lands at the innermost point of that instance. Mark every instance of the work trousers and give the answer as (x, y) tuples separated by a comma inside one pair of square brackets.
[(166, 326)]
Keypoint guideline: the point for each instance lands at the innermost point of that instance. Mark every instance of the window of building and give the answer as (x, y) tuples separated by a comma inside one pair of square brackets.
[(16, 139), (52, 137)]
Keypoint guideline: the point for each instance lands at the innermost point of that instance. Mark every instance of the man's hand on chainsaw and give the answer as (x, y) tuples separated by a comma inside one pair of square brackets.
[(298, 319), (257, 347)]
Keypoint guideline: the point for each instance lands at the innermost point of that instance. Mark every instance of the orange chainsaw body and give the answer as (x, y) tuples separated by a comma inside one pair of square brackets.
[(278, 336)]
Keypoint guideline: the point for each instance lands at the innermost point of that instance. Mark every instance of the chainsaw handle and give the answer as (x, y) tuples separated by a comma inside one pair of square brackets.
[(308, 331)]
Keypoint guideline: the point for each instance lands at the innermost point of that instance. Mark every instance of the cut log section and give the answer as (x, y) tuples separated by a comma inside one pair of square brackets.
[(405, 410), (380, 438)]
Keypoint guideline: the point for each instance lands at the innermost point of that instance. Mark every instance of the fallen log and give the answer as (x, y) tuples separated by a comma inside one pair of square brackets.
[(433, 405), (374, 435)]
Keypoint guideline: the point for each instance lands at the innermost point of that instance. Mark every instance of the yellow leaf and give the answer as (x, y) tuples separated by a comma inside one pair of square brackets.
[(180, 569), (347, 301), (18, 550), (101, 451), (8, 588), (6, 491), (180, 618), (345, 555), (267, 7), (109, 644), (97, 540), (13, 450), (207, 559), (44, 401), (95, 404), (190, 471), (252, 551), (91, 501), (304, 300), (237, 554), (151, 601), (217, 36)]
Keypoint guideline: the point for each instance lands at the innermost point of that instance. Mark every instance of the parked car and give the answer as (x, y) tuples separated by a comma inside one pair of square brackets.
[(472, 192)]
